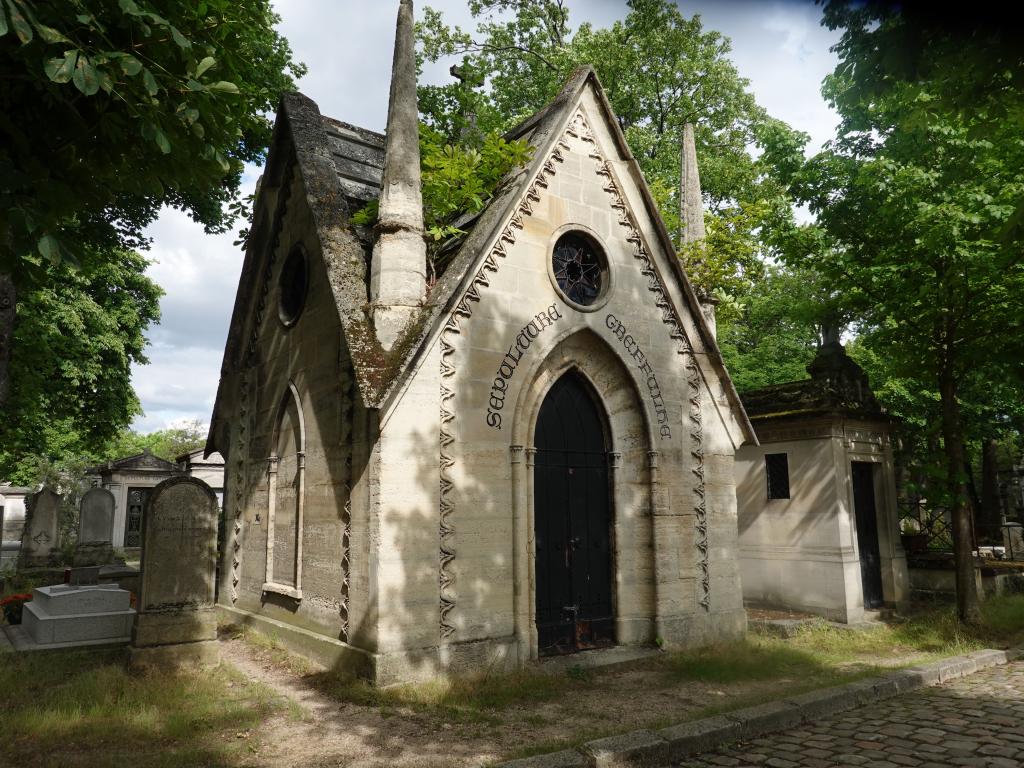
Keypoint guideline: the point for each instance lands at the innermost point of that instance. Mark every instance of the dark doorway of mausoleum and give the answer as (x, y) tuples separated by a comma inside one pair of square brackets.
[(867, 532), (572, 521)]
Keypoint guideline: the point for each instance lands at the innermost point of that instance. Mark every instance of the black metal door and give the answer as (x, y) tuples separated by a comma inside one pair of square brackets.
[(572, 522), (867, 532), (137, 498)]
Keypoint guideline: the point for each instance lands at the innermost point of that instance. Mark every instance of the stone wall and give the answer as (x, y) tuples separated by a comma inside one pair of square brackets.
[(802, 552), (309, 360)]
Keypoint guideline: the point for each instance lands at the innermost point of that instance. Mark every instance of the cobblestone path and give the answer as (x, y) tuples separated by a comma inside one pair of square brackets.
[(974, 721)]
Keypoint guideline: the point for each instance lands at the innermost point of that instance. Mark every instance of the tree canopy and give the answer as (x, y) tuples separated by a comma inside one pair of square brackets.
[(660, 71), (111, 110), (916, 200), (75, 342)]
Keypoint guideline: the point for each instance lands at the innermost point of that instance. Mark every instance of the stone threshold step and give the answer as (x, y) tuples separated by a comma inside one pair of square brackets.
[(658, 748)]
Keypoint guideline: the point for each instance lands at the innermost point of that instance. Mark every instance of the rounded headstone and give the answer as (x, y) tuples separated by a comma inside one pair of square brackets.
[(39, 538), (179, 546), (96, 521)]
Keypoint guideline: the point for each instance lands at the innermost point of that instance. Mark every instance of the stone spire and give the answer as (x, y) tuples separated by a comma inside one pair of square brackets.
[(398, 265), (691, 207), (691, 211)]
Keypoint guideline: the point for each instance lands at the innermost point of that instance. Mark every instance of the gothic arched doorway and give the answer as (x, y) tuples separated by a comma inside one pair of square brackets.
[(572, 521)]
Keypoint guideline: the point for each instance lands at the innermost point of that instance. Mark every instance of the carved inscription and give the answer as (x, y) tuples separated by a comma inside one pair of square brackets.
[(507, 368), (633, 348)]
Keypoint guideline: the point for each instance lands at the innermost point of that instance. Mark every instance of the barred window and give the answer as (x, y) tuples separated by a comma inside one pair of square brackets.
[(776, 468)]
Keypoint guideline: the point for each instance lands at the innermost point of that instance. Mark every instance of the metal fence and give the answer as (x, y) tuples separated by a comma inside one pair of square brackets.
[(931, 523)]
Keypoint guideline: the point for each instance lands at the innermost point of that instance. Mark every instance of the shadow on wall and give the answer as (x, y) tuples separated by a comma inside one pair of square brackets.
[(812, 490)]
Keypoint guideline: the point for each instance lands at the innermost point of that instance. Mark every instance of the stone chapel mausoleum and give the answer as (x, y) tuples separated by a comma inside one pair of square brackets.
[(531, 455)]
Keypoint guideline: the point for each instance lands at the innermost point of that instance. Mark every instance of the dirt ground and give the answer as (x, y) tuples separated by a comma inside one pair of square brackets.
[(609, 700)]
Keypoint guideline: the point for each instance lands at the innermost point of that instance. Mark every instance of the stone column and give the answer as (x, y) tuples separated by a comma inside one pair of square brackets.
[(520, 553), (531, 561), (271, 504)]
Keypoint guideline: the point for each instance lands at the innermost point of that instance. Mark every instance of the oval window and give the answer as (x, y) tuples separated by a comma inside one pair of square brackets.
[(292, 286), (579, 268)]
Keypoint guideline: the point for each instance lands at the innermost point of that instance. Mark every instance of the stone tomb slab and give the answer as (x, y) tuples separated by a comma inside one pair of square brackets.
[(63, 615)]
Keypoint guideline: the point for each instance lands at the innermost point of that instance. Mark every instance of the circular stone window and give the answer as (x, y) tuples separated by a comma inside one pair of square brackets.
[(292, 286), (579, 269)]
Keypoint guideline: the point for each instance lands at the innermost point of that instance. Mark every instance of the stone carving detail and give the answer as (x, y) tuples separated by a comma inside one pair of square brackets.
[(239, 455), (463, 309), (580, 128), (347, 415)]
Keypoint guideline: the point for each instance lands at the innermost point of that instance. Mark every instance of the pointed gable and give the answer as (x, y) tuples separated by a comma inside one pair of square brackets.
[(467, 273)]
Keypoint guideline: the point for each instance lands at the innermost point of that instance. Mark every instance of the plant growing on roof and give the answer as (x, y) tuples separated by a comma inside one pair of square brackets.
[(458, 179)]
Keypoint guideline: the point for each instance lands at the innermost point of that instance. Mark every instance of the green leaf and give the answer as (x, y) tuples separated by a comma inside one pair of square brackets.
[(21, 26), (130, 65), (86, 78), (68, 68), (150, 82), (3, 22), (180, 39), (161, 141), (198, 130), (129, 7), (224, 87), (194, 85), (104, 80), (204, 65), (49, 248)]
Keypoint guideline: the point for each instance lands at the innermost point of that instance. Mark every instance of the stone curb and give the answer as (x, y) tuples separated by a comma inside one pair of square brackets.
[(650, 749)]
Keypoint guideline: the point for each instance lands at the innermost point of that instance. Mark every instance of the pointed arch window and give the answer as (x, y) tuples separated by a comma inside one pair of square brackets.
[(286, 469)]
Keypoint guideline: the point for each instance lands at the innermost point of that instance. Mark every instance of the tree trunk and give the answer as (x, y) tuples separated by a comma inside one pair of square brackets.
[(967, 600), (990, 519), (8, 303)]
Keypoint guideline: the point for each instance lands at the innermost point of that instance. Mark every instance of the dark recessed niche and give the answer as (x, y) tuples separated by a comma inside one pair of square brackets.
[(580, 269), (292, 286)]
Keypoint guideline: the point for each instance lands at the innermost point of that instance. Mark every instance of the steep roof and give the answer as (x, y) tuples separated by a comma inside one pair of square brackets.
[(340, 167)]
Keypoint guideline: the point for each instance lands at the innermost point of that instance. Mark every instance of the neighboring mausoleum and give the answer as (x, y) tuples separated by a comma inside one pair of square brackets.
[(132, 479), (818, 522), (531, 455)]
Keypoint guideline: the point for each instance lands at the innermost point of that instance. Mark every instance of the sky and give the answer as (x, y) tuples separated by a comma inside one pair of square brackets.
[(778, 46)]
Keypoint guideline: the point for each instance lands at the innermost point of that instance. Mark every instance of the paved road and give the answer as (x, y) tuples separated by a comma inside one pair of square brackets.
[(976, 721)]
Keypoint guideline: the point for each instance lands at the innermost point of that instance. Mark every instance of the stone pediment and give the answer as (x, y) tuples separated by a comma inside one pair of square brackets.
[(144, 461)]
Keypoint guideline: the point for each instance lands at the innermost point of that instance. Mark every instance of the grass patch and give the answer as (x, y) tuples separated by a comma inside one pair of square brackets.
[(477, 698), (83, 708)]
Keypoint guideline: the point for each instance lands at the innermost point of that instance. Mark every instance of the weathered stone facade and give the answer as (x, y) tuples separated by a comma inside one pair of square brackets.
[(380, 505), (814, 550)]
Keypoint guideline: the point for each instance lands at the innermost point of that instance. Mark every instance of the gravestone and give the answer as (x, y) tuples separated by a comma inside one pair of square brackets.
[(95, 528), (176, 625), (39, 539)]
